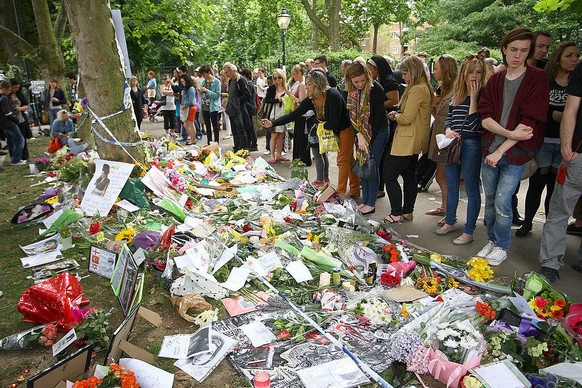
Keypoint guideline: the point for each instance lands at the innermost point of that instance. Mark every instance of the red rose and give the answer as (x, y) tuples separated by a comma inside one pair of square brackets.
[(390, 280), (247, 228), (283, 335), (94, 228)]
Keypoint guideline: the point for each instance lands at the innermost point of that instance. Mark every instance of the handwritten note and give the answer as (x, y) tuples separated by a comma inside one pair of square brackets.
[(258, 333), (299, 271), (148, 376)]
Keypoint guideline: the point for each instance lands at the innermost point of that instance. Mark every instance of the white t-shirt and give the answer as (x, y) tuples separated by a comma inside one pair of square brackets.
[(170, 105), (261, 87)]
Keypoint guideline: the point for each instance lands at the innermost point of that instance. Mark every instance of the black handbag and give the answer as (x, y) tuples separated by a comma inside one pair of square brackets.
[(368, 171), (451, 154)]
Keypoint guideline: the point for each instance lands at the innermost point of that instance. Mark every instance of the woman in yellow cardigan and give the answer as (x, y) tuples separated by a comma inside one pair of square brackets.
[(410, 139)]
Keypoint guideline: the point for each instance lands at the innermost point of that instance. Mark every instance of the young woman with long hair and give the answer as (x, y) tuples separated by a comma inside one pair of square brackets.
[(445, 72), (188, 106), (54, 99), (561, 63), (463, 123), (297, 93), (274, 99), (366, 108), (410, 139)]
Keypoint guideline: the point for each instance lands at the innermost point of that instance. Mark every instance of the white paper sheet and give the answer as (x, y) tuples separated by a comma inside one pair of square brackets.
[(523, 308), (569, 370), (342, 373), (105, 186), (501, 375), (148, 376), (183, 346), (225, 257), (52, 218), (199, 256), (62, 344), (258, 333), (36, 260), (299, 271), (126, 205), (237, 278)]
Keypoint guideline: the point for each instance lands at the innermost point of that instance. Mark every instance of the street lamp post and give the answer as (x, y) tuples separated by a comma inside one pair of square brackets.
[(283, 20)]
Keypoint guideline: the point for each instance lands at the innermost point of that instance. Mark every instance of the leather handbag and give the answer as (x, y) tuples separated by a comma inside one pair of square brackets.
[(368, 171), (451, 154)]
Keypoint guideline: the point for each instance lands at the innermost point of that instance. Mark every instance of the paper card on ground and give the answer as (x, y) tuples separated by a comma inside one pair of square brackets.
[(43, 246), (501, 375), (568, 370), (342, 373), (148, 376), (258, 333), (239, 305), (523, 308), (186, 347), (52, 218), (199, 367), (45, 258), (105, 186), (139, 256), (299, 271), (205, 192), (265, 264), (226, 255), (126, 205), (237, 278), (62, 344), (199, 256), (102, 261), (403, 294)]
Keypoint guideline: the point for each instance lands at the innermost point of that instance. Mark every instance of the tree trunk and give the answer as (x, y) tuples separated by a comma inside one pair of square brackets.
[(101, 71), (375, 40), (314, 40), (334, 24), (52, 64)]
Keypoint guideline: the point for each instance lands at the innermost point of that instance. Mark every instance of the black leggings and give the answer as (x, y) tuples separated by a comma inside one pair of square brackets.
[(543, 177), (211, 122), (405, 166), (169, 119)]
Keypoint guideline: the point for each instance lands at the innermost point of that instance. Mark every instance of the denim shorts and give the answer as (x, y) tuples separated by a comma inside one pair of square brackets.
[(549, 155)]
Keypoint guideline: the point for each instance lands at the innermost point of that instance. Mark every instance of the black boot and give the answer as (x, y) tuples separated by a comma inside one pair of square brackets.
[(517, 218)]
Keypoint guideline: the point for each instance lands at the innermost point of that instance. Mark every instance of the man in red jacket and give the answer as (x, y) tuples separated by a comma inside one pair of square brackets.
[(513, 112)]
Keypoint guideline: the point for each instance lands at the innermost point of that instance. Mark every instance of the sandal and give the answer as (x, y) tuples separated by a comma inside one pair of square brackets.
[(272, 161), (282, 159), (439, 211), (408, 217), (391, 220)]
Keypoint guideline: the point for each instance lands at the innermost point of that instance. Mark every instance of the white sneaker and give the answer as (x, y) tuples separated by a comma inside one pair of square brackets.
[(283, 153), (267, 153), (486, 249), (497, 256), (21, 163)]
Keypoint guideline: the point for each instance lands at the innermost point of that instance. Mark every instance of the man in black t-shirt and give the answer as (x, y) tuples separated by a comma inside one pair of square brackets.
[(321, 62), (8, 122), (568, 184)]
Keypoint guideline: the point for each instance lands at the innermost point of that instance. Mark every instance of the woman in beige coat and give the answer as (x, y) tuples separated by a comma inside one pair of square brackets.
[(410, 139)]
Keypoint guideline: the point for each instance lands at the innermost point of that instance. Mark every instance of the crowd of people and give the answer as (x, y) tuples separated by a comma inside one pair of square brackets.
[(387, 122)]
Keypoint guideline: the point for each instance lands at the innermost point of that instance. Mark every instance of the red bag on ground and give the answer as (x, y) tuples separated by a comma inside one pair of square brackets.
[(54, 145), (54, 300)]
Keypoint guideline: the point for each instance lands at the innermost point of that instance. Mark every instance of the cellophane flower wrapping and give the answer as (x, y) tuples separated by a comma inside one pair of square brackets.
[(54, 300)]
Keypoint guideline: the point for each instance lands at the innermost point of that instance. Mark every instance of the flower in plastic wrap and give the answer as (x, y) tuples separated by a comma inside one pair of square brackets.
[(330, 300), (376, 312), (480, 270)]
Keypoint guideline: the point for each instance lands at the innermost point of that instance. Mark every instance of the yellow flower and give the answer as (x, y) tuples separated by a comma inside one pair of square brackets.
[(472, 382), (404, 311), (126, 235), (99, 236), (436, 257), (452, 283), (172, 146)]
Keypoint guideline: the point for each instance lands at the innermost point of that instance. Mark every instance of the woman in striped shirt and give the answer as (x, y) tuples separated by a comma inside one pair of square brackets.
[(463, 122)]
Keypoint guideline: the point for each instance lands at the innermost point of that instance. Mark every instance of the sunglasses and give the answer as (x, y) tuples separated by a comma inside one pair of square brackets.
[(277, 77)]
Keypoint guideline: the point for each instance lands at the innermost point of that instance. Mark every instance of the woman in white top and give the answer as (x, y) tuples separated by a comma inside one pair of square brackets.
[(169, 108), (261, 83)]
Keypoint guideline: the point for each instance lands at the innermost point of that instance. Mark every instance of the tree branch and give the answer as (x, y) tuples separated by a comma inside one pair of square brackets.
[(18, 42), (61, 23), (313, 17)]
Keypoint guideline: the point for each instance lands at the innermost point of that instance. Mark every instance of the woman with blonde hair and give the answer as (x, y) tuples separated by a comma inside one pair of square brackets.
[(297, 93), (368, 117), (463, 123), (410, 139), (275, 109), (445, 72), (54, 99), (330, 111)]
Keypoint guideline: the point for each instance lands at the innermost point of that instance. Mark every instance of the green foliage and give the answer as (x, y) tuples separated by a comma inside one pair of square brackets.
[(94, 328), (559, 5), (462, 27)]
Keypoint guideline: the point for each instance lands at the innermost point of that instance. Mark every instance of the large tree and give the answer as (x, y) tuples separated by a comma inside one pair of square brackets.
[(332, 12), (100, 68)]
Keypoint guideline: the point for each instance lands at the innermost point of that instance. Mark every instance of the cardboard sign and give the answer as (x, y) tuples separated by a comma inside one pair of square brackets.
[(102, 262)]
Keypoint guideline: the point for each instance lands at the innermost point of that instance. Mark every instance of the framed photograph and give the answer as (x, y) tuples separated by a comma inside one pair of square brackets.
[(119, 271), (70, 368), (102, 262), (120, 334), (128, 283)]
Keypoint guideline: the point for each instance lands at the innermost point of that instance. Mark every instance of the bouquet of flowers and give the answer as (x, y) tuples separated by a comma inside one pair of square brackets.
[(117, 376), (376, 312), (42, 163), (458, 340)]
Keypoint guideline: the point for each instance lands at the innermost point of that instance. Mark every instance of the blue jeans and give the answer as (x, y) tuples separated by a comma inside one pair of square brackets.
[(499, 184), (52, 114), (15, 142), (470, 167), (370, 187)]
